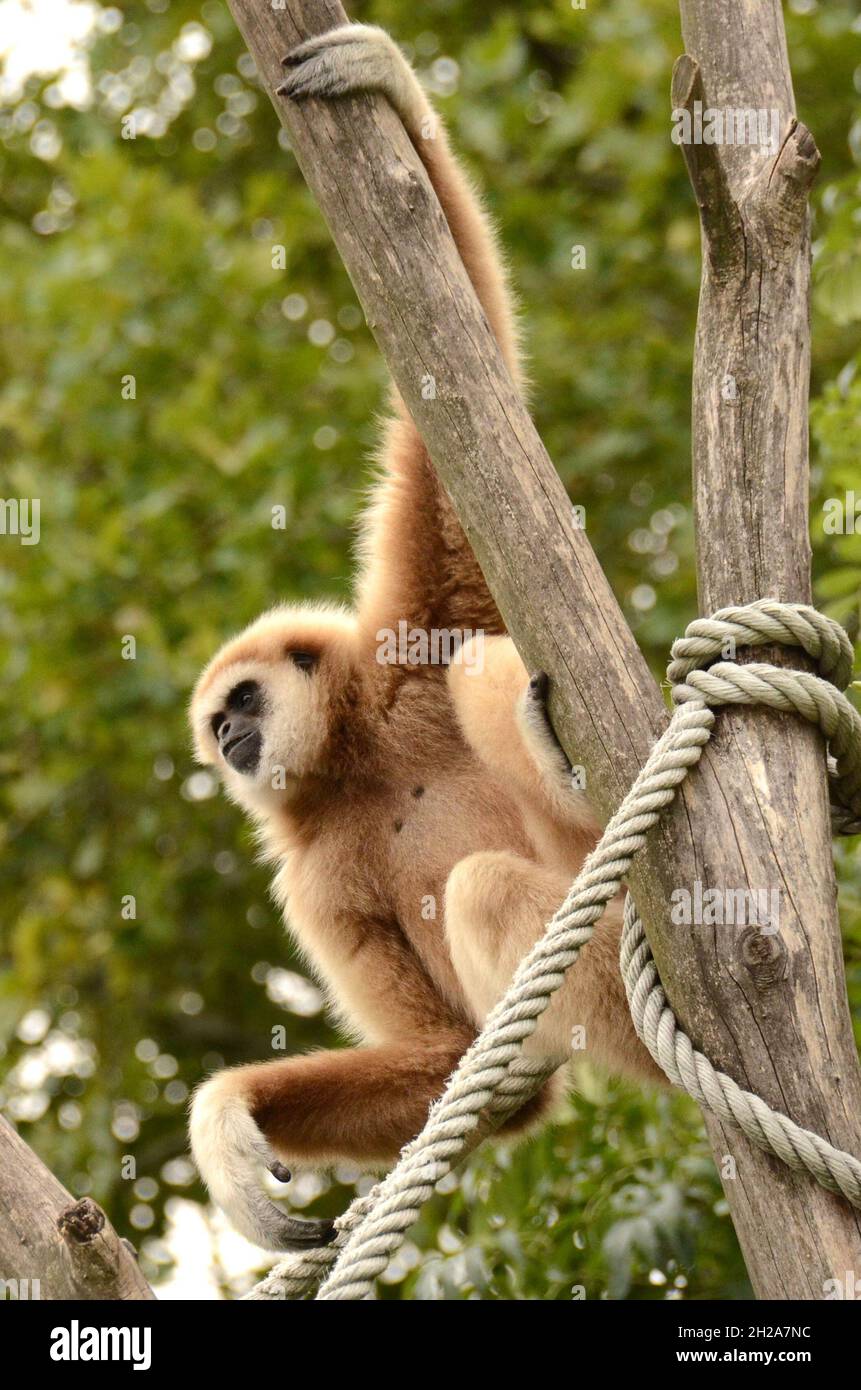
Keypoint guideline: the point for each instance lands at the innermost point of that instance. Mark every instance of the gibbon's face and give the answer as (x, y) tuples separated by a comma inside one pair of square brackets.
[(262, 710)]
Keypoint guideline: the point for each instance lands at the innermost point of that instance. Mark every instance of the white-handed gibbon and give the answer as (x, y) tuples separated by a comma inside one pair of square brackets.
[(420, 811)]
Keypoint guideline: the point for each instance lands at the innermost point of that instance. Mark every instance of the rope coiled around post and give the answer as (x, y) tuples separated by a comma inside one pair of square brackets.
[(492, 1078), (687, 1068)]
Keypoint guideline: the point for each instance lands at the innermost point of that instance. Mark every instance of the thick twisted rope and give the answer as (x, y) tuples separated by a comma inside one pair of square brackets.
[(492, 1076)]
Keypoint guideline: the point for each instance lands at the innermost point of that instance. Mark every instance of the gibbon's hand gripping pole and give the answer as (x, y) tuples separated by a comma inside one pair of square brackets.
[(771, 1014)]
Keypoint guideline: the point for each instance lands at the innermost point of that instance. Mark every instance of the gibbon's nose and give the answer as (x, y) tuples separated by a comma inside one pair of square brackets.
[(240, 742)]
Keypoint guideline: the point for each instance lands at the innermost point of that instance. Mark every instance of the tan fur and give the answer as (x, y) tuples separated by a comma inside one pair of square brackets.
[(422, 827)]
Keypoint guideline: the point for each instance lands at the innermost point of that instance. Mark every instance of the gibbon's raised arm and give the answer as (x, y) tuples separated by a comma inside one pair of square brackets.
[(417, 565)]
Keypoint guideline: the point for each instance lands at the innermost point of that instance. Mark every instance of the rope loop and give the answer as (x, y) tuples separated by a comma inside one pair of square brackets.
[(765, 622), (696, 675), (493, 1078)]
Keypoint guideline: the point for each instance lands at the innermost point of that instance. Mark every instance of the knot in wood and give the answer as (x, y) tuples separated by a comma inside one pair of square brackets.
[(764, 955), (82, 1222)]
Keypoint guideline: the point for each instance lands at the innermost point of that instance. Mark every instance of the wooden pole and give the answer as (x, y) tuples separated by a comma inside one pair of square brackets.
[(751, 483), (51, 1246), (770, 1010)]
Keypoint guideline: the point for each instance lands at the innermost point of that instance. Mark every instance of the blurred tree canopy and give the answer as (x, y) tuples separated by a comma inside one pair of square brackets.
[(182, 353)]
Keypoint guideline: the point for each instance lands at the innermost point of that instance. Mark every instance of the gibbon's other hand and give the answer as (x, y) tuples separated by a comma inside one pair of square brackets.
[(353, 58), (538, 730), (231, 1153)]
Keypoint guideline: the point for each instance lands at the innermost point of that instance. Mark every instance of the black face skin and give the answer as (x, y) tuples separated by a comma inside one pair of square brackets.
[(237, 728)]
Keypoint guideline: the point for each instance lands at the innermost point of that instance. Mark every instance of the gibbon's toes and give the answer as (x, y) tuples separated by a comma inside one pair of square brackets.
[(539, 686), (303, 51), (538, 727), (316, 76), (298, 1233), (277, 1169), (294, 57), (343, 34), (534, 705)]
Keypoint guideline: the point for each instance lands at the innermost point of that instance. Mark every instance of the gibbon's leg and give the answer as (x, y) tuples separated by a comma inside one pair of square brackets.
[(358, 1105), (417, 564), (497, 905)]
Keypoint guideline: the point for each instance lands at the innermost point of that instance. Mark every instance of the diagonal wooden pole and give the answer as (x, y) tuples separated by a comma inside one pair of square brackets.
[(770, 1010)]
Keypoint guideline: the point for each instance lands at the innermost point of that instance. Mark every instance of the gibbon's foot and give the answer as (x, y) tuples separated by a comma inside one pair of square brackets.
[(352, 58)]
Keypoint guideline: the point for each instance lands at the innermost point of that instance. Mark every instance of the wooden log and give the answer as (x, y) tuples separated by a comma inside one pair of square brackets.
[(51, 1246)]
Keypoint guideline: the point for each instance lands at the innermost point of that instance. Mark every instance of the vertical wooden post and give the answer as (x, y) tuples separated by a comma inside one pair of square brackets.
[(750, 432)]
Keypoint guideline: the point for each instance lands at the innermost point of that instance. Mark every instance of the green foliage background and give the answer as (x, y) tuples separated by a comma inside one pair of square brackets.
[(256, 387)]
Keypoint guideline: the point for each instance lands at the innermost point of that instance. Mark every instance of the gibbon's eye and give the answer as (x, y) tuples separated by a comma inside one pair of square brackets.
[(306, 661), (246, 697)]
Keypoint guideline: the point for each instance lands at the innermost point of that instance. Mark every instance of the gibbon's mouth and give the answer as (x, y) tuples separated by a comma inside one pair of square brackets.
[(243, 752)]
